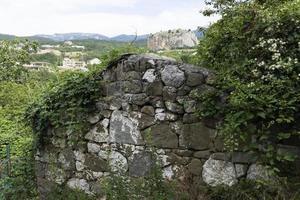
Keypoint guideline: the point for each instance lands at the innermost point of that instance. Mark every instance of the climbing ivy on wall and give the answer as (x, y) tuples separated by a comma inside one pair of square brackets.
[(255, 51), (65, 105)]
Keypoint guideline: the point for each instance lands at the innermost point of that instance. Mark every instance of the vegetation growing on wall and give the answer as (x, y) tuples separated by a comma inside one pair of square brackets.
[(255, 51)]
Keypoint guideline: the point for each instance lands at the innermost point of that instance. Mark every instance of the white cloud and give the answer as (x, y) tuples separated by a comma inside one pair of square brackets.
[(30, 17)]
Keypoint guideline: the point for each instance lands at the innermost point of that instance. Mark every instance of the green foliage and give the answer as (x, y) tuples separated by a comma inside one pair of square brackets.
[(13, 55), (255, 50), (251, 190), (63, 192), (153, 186), (66, 104), (48, 57)]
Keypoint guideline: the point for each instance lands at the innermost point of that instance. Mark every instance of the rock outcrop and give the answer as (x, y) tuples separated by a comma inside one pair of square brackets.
[(173, 39)]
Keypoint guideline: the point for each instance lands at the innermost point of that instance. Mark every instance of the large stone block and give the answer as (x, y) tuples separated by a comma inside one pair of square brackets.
[(171, 75), (196, 136), (161, 135), (123, 129)]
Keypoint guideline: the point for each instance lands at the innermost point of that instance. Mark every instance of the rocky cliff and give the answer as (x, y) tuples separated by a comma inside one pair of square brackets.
[(172, 39)]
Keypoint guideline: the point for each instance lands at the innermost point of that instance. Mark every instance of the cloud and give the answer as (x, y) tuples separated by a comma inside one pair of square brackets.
[(109, 17)]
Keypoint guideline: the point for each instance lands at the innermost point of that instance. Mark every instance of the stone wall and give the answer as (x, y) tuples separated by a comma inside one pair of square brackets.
[(172, 39), (149, 101)]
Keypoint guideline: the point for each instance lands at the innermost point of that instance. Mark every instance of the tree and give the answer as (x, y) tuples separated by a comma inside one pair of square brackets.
[(13, 55)]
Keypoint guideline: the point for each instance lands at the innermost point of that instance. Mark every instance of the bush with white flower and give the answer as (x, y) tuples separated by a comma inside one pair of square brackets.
[(255, 51)]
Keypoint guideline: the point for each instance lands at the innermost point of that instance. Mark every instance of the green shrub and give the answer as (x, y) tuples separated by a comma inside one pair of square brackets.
[(255, 52)]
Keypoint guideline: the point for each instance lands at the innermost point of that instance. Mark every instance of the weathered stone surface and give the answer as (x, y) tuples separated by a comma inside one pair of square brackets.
[(93, 119), (195, 167), (190, 106), (161, 135), (132, 87), (258, 172), (195, 136), (117, 162), (99, 132), (183, 90), (174, 107), (67, 159), (123, 129), (172, 39), (202, 154), (93, 148), (95, 163), (243, 157), (190, 118), (150, 76), (194, 79), (169, 93), (138, 99), (79, 184), (217, 172), (144, 121), (166, 116), (172, 76), (154, 89), (149, 110), (140, 164)]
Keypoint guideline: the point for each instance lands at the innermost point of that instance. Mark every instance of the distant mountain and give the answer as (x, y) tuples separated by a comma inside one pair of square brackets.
[(6, 37), (59, 37), (129, 38)]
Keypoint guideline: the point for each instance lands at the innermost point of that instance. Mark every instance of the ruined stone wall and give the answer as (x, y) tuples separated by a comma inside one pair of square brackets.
[(148, 101), (172, 39)]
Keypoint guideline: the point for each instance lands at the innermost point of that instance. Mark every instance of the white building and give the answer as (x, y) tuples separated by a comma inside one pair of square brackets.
[(94, 61), (37, 65), (72, 63)]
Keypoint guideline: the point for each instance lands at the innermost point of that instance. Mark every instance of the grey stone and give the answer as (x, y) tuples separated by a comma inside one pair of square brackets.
[(217, 172), (95, 163), (132, 75), (132, 87), (243, 157), (174, 107), (191, 118), (172, 76), (194, 79), (161, 135), (195, 136), (149, 110), (99, 133), (258, 172), (190, 106), (123, 129), (169, 93), (183, 90), (144, 121), (93, 119), (202, 154), (93, 148), (150, 76), (79, 184), (138, 99), (166, 116), (195, 167), (117, 162), (140, 164), (67, 159), (154, 89), (241, 170)]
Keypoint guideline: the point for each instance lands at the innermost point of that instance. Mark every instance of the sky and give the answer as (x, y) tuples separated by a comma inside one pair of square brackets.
[(108, 17)]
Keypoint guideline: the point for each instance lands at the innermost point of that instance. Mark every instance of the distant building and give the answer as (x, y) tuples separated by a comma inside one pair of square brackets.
[(52, 51), (68, 43), (72, 63), (78, 47), (94, 61), (172, 39), (37, 65)]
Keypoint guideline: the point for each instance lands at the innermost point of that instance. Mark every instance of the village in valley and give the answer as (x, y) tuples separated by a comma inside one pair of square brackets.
[(74, 59)]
